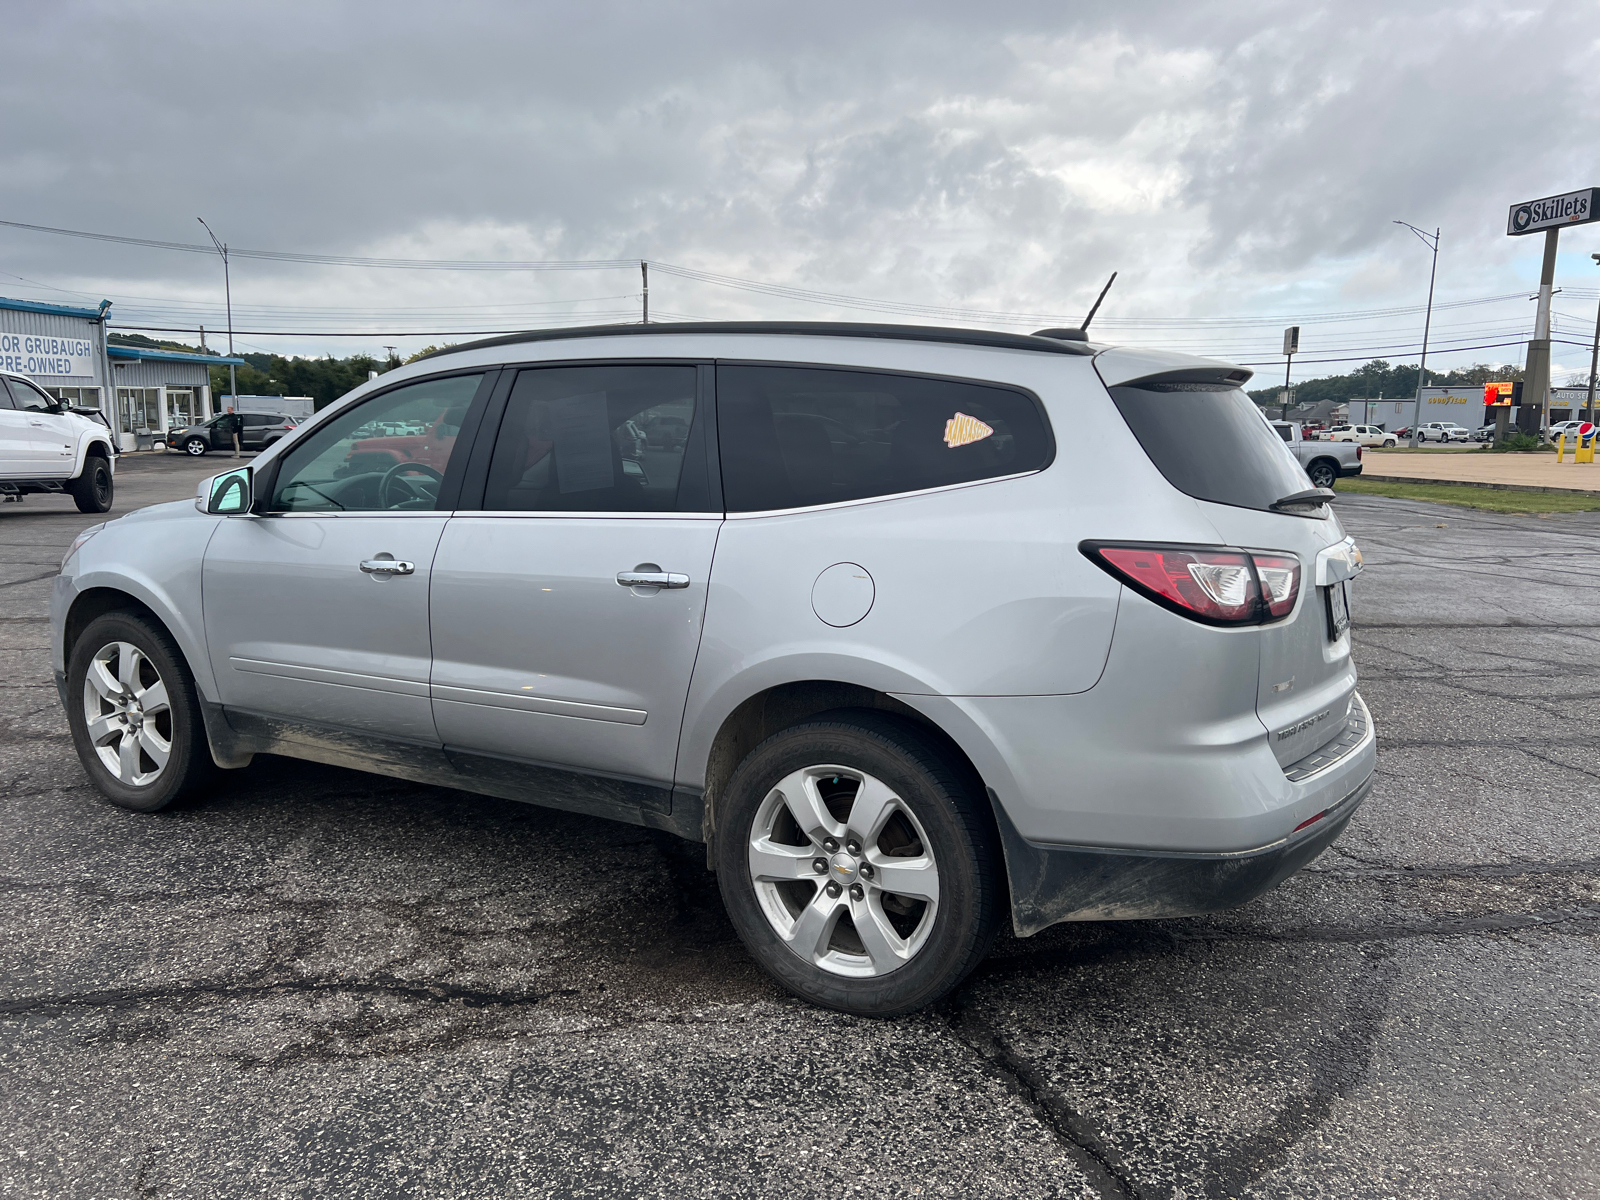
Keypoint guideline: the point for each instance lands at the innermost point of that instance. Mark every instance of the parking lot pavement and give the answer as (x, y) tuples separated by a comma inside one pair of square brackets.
[(319, 982)]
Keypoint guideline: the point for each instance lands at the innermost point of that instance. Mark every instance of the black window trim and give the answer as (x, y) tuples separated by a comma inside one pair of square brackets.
[(1029, 393), (476, 477), (265, 482)]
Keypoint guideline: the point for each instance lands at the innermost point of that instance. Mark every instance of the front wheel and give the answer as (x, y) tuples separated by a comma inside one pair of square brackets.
[(195, 446), (134, 714), (92, 490), (1387, 442), (859, 864)]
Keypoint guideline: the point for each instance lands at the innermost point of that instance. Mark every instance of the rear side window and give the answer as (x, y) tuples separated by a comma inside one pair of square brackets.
[(791, 437), (597, 439), (1211, 442)]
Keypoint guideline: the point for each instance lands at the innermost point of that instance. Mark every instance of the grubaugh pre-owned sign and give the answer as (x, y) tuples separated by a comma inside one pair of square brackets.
[(35, 354), (1574, 208)]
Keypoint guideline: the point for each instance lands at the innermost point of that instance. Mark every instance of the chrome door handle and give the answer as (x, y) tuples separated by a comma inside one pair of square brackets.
[(388, 566), (660, 579)]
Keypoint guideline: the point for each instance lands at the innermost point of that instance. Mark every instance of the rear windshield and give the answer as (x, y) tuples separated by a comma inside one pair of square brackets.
[(1211, 442)]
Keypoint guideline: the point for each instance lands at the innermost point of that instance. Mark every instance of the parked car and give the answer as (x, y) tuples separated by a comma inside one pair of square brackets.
[(907, 662), (1442, 431), (1570, 428), (1365, 435), (1325, 462), (47, 447), (257, 432)]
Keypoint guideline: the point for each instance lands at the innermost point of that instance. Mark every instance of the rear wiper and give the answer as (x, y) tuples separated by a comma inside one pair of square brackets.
[(1310, 498)]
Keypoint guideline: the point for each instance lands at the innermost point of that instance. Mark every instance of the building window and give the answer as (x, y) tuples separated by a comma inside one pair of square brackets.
[(84, 397), (139, 409), (180, 408)]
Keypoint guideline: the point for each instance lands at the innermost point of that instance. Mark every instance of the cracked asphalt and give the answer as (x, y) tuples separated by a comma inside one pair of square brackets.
[(324, 983)]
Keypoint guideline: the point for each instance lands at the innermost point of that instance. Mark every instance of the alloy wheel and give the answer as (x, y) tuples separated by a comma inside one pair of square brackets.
[(843, 870), (127, 714)]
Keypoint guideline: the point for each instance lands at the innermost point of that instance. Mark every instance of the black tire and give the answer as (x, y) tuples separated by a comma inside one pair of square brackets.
[(1388, 442), (93, 490), (196, 446), (1323, 473), (189, 766), (950, 807)]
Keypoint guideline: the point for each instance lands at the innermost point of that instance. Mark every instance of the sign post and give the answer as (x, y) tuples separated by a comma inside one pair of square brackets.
[(1547, 216), (1291, 346)]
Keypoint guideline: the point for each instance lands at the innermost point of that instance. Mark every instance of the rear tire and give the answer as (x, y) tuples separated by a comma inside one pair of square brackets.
[(919, 900), (1323, 473), (135, 715), (93, 490)]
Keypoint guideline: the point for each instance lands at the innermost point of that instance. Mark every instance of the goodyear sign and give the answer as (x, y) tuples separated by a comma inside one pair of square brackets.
[(1574, 208), (36, 354)]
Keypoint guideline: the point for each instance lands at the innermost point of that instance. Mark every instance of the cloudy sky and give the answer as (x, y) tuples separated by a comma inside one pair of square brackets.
[(1239, 164)]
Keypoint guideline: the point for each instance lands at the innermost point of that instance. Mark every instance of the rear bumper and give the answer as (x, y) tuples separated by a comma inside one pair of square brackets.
[(1051, 884), (1345, 472)]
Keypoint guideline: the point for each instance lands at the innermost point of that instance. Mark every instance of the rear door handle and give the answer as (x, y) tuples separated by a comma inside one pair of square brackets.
[(660, 579), (388, 566)]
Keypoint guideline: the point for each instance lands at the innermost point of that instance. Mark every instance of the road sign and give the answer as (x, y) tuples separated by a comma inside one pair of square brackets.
[(1535, 216)]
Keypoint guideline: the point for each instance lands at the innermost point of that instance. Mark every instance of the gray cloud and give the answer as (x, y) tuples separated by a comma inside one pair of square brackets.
[(1226, 158)]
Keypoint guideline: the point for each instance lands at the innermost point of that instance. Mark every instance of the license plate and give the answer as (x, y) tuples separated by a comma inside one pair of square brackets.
[(1338, 610)]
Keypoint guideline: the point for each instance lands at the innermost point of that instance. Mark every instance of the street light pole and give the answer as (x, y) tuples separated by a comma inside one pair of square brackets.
[(1594, 355), (1427, 326), (227, 293)]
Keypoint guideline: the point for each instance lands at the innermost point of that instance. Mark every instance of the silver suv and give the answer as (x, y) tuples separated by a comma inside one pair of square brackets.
[(904, 662)]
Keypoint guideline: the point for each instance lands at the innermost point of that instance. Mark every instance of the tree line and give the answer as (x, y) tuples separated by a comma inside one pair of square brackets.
[(323, 379), (326, 379)]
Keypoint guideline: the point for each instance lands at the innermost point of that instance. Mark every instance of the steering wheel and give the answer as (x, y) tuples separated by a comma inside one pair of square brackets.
[(396, 475)]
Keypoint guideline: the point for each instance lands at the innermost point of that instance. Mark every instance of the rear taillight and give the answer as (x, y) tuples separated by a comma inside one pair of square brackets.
[(1216, 585)]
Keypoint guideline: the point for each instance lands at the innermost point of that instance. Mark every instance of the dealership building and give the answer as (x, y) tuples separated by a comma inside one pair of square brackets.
[(1463, 405), (143, 393)]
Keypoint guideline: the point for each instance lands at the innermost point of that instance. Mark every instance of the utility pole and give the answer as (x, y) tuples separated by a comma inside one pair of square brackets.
[(1536, 386), (1594, 356), (1427, 327), (227, 292), (391, 350), (1291, 343), (644, 274)]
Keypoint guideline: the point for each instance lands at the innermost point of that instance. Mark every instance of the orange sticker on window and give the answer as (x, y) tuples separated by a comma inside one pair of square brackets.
[(962, 430)]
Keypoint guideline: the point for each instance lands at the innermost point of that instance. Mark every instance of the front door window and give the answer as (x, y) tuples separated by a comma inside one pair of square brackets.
[(390, 452)]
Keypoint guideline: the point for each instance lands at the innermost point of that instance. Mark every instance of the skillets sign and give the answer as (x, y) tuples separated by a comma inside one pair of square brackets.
[(32, 354), (1535, 216)]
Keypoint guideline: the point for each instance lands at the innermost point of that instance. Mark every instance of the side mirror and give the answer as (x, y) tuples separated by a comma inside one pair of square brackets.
[(230, 493)]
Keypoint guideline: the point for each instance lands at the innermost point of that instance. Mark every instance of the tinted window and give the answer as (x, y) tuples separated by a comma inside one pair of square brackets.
[(341, 467), (5, 395), (595, 439), (797, 436), (1211, 444), (257, 420), (1285, 432)]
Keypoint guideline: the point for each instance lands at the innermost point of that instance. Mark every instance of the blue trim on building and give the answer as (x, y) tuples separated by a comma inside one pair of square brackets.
[(60, 310), (139, 352)]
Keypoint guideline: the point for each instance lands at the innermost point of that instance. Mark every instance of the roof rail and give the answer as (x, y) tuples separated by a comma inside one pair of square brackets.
[(893, 333)]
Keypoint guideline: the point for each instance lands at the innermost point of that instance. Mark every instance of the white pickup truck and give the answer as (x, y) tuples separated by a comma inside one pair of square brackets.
[(46, 447), (1324, 461)]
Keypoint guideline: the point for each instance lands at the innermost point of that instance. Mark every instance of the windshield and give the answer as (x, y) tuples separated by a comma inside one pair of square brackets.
[(1212, 442)]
